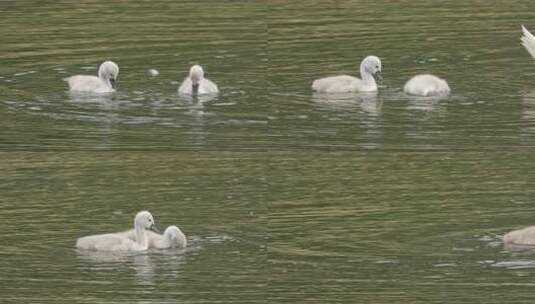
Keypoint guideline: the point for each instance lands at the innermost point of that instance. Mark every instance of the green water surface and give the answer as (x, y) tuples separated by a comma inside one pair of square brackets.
[(286, 196)]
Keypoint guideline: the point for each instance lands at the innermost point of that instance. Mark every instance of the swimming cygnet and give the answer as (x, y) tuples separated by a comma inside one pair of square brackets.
[(118, 241), (426, 85), (104, 83), (153, 72), (370, 66), (171, 238), (525, 236), (196, 84)]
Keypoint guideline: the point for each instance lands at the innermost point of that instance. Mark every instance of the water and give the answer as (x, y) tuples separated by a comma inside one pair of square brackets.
[(285, 196), (62, 39), (52, 198)]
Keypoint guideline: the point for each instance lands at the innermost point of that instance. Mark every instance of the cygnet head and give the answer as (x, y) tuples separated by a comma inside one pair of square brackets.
[(145, 220), (175, 237), (109, 71), (371, 65), (196, 74)]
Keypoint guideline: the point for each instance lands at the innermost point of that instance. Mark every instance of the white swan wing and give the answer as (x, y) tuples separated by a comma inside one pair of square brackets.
[(86, 83), (208, 87), (185, 87), (107, 242), (182, 242), (336, 84), (131, 234), (528, 41)]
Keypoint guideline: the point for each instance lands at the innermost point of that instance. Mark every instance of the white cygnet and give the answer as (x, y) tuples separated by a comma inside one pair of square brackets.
[(118, 241), (171, 238), (525, 236), (528, 41), (196, 84), (104, 83), (153, 72), (426, 85), (370, 66)]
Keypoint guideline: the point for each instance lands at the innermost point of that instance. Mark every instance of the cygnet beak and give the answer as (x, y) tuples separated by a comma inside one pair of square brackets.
[(154, 228), (379, 75), (195, 89)]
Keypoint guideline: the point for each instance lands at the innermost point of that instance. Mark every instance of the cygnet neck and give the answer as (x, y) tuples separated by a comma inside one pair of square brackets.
[(101, 73), (366, 76), (141, 236)]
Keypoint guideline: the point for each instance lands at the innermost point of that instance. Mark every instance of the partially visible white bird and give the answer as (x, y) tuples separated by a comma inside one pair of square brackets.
[(119, 241), (525, 236), (153, 72), (171, 238), (104, 83), (426, 85), (370, 66), (196, 84), (528, 41)]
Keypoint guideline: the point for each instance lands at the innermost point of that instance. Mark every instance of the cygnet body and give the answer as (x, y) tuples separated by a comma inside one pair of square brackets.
[(118, 241), (104, 83), (196, 84), (426, 85), (369, 67), (525, 236), (153, 72)]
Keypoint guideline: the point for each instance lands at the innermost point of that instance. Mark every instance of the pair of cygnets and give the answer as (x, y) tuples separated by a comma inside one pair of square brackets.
[(108, 72), (422, 85), (137, 239)]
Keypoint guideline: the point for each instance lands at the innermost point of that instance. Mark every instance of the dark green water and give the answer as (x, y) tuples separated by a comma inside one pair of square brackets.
[(285, 196)]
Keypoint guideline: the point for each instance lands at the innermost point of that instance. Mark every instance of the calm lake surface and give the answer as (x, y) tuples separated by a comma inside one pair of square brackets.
[(286, 196)]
